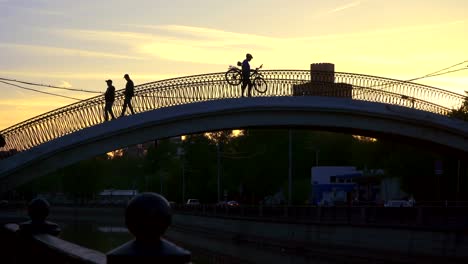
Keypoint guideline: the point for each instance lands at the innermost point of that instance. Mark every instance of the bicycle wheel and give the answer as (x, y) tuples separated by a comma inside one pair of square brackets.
[(260, 85), (233, 77)]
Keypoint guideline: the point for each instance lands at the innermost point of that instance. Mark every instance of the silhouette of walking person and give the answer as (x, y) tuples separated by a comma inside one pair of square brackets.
[(246, 75), (128, 95), (110, 97)]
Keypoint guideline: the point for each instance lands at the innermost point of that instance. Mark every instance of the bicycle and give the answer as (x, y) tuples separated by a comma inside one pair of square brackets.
[(234, 77)]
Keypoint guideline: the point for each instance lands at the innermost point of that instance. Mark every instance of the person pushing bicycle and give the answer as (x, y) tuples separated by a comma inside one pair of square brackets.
[(246, 75), (235, 76)]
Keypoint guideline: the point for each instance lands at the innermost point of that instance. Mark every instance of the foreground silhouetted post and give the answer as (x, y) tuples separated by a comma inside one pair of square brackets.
[(38, 210), (19, 241), (148, 215)]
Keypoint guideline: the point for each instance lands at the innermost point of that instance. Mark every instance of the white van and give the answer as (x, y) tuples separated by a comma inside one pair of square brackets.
[(193, 202)]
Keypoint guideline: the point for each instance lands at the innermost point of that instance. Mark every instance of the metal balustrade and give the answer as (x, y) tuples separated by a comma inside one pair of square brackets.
[(213, 86)]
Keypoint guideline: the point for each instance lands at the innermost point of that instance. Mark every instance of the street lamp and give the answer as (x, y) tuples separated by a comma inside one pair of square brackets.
[(317, 151), (181, 154), (290, 168), (218, 159)]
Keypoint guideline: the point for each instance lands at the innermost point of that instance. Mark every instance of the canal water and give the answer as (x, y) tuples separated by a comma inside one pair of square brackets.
[(104, 230), (205, 249)]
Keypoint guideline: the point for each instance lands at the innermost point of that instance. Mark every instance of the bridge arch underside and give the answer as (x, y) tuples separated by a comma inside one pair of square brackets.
[(321, 113)]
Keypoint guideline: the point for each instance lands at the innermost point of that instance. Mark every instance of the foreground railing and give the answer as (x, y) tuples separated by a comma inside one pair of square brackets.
[(46, 247), (147, 217), (334, 230), (185, 90)]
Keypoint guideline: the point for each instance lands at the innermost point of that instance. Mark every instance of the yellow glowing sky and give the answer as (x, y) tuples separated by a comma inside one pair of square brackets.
[(80, 44)]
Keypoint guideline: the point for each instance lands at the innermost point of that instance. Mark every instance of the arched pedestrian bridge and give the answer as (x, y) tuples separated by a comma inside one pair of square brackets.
[(348, 102)]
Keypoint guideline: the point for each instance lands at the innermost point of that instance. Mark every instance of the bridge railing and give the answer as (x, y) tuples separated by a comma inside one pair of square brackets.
[(185, 90)]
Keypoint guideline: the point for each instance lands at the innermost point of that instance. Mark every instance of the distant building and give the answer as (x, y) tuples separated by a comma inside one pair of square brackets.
[(332, 184), (343, 184), (322, 83)]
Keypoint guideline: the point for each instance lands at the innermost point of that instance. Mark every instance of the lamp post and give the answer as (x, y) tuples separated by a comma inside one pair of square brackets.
[(317, 151), (183, 179), (290, 168), (458, 180), (181, 154), (218, 161)]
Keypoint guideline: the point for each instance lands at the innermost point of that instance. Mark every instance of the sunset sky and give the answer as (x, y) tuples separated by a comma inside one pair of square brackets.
[(80, 44)]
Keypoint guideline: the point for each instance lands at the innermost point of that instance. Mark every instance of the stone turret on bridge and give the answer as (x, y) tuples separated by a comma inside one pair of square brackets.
[(322, 83), (322, 72)]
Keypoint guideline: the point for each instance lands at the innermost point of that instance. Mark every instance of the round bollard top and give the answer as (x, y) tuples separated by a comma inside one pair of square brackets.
[(148, 215), (38, 209)]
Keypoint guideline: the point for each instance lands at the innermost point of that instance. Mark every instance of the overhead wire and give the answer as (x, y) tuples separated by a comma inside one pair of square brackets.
[(433, 74), (449, 72), (38, 91), (437, 73), (49, 86), (7, 80)]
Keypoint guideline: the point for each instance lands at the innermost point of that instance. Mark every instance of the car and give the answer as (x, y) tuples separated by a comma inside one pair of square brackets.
[(398, 203), (193, 202), (227, 204), (232, 204)]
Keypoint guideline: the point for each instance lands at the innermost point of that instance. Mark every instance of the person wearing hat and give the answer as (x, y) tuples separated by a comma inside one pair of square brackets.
[(128, 95), (246, 75), (110, 97)]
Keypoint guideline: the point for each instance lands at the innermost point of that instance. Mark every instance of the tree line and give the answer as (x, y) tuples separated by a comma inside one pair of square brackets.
[(256, 164)]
